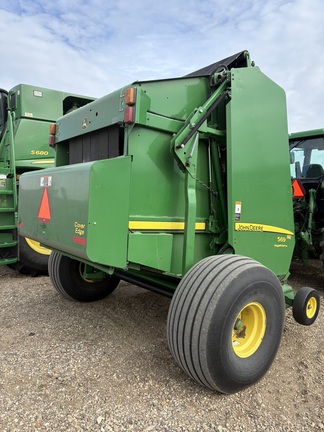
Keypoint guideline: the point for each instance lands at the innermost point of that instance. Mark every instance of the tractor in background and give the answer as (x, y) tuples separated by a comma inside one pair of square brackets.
[(307, 173)]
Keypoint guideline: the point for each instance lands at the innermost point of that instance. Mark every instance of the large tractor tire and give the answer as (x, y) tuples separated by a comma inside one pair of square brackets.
[(33, 258), (225, 322), (66, 276)]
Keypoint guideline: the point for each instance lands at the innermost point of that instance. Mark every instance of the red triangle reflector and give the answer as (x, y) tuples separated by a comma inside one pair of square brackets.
[(298, 189), (44, 211)]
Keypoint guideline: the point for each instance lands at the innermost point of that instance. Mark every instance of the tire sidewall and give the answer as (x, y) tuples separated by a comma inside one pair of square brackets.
[(71, 283), (312, 294), (32, 259), (300, 304), (221, 359)]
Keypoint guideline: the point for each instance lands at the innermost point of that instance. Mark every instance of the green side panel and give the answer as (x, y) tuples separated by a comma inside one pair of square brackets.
[(172, 98), (36, 102), (260, 215), (31, 143), (55, 220), (157, 182), (158, 190), (109, 211), (34, 108), (161, 103), (151, 250), (85, 212), (103, 112), (41, 103)]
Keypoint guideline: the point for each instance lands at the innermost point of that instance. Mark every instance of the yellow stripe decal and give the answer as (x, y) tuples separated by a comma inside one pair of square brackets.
[(156, 225), (46, 161), (252, 227)]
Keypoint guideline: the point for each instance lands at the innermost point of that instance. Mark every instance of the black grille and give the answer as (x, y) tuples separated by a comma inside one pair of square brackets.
[(101, 144)]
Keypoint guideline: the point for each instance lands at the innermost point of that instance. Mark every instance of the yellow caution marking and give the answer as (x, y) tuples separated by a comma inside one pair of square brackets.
[(159, 226), (41, 162)]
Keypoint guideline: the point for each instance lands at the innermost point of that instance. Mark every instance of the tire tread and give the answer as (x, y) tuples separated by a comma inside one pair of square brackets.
[(191, 310)]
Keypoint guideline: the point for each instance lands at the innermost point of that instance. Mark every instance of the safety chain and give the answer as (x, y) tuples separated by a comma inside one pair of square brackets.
[(207, 187)]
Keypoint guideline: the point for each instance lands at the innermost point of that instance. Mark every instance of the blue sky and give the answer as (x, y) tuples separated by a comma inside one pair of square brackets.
[(94, 47)]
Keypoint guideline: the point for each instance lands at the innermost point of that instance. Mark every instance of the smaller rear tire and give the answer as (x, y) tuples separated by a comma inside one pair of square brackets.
[(306, 306), (66, 276)]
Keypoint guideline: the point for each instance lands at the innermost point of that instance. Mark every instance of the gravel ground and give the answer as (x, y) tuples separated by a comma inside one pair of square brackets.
[(105, 366)]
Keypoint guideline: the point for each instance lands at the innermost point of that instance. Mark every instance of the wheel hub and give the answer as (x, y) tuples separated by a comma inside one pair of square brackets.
[(249, 330)]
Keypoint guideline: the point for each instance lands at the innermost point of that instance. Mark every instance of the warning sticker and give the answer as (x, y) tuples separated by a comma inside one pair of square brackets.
[(46, 181), (238, 209), (3, 178)]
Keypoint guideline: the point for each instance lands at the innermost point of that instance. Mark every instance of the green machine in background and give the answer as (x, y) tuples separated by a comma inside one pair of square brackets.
[(181, 186), (307, 172), (25, 115)]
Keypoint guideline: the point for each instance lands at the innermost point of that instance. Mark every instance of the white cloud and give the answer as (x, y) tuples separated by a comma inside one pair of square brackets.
[(95, 47)]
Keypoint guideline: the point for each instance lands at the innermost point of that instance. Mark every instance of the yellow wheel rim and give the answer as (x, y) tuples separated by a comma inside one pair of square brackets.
[(81, 268), (311, 307), (248, 330), (37, 247)]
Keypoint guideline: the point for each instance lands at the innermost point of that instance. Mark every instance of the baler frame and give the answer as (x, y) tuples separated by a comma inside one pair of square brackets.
[(172, 184)]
